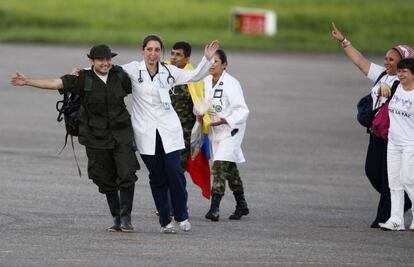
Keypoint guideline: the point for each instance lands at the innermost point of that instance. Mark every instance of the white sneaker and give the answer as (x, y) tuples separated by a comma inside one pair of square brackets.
[(412, 226), (185, 225), (391, 226), (169, 229)]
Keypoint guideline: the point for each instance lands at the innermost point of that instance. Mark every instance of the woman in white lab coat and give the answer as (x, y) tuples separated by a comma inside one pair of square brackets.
[(229, 114), (157, 128)]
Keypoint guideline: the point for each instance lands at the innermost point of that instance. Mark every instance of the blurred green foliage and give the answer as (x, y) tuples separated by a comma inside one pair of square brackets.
[(302, 25)]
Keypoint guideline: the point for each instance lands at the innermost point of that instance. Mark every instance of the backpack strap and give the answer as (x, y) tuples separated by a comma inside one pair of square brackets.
[(88, 81), (120, 73), (374, 112), (60, 107), (73, 150), (74, 155), (87, 88), (380, 76), (393, 89), (123, 77)]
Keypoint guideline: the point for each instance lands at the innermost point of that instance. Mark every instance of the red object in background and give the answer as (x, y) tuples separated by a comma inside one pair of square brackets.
[(252, 24), (253, 21)]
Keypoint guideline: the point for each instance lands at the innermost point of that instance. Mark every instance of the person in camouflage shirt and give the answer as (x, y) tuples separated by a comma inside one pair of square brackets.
[(181, 98)]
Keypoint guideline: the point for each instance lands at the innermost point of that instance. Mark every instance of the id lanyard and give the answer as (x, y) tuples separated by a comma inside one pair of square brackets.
[(164, 92)]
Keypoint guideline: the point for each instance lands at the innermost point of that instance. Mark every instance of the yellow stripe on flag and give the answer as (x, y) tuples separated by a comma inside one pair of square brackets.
[(197, 95)]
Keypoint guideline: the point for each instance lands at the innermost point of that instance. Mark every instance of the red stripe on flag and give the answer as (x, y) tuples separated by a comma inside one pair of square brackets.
[(199, 170)]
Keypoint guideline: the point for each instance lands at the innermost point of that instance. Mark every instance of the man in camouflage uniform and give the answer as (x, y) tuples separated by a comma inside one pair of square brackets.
[(181, 98), (105, 129)]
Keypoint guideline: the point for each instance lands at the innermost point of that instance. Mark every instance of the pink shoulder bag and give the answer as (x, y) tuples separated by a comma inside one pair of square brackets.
[(381, 122)]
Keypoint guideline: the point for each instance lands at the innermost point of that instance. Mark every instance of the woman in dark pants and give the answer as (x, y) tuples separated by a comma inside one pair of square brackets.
[(383, 77), (157, 128)]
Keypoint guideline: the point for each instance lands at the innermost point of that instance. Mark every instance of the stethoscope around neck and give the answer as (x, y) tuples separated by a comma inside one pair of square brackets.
[(170, 78)]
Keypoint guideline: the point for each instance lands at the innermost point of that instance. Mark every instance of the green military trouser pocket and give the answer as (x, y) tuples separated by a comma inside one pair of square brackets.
[(111, 169)]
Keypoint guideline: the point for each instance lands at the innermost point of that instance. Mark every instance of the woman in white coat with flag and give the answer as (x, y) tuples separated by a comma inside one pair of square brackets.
[(157, 128), (229, 114)]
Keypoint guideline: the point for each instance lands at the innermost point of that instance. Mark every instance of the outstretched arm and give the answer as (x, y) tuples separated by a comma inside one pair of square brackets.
[(211, 49), (356, 57), (51, 84), (201, 71)]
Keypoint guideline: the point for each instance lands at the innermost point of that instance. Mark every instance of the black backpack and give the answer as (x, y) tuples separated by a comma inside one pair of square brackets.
[(366, 114), (364, 106), (70, 108)]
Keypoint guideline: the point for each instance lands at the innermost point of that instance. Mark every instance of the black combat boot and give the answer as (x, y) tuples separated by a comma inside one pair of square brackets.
[(127, 199), (241, 206), (213, 213), (114, 206)]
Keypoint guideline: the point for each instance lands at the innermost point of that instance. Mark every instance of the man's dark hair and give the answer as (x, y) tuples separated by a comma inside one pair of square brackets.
[(186, 47), (407, 63)]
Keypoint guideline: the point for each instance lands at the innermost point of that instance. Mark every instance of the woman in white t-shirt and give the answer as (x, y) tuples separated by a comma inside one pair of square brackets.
[(400, 155), (383, 78)]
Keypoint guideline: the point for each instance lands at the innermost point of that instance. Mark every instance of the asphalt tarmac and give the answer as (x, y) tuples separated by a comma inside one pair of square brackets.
[(310, 202)]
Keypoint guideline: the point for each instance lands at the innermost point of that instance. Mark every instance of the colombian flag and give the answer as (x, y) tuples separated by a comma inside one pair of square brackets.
[(198, 161), (199, 167)]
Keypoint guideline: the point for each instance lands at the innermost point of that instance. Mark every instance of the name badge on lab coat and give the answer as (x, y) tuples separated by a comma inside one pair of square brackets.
[(218, 93), (165, 98)]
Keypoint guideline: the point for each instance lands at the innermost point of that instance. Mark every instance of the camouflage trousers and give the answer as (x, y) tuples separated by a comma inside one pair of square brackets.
[(222, 171), (185, 153)]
